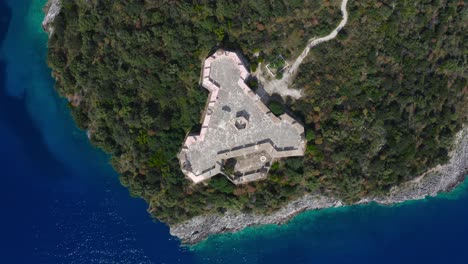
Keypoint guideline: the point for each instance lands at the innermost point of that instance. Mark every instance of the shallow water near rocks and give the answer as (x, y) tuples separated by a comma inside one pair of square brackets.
[(62, 203), (432, 230)]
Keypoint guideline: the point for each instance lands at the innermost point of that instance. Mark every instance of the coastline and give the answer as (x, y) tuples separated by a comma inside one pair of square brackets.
[(442, 178), (52, 8)]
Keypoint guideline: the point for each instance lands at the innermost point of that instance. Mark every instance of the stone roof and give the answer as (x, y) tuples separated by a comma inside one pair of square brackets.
[(236, 124)]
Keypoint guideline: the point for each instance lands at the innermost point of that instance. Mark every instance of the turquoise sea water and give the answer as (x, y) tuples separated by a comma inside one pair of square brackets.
[(428, 231), (62, 203)]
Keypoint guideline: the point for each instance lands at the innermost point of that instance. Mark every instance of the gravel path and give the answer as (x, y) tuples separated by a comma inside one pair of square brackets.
[(281, 86)]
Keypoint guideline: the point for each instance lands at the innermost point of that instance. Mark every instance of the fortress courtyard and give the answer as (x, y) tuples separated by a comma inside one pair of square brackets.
[(240, 137)]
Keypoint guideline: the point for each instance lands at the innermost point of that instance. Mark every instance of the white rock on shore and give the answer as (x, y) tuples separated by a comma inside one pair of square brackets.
[(52, 9), (442, 178)]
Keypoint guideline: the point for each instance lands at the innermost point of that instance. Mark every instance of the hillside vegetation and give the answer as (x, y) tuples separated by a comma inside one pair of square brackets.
[(382, 101)]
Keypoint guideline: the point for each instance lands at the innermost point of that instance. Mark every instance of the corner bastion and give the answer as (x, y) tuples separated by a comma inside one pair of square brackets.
[(240, 137)]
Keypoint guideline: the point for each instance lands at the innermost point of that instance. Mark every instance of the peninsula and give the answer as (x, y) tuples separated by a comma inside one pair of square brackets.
[(376, 113)]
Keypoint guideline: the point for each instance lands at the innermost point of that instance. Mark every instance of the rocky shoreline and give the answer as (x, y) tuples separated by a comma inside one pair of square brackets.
[(442, 178), (51, 9)]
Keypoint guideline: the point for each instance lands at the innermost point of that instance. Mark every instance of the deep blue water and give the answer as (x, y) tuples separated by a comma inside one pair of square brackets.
[(62, 203)]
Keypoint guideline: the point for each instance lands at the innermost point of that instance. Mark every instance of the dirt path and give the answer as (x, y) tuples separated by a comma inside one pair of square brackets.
[(281, 86)]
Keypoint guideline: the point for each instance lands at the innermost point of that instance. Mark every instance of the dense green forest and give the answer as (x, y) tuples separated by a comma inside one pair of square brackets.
[(382, 101)]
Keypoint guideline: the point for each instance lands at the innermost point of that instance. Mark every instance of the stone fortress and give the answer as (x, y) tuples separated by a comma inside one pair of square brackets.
[(240, 137)]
